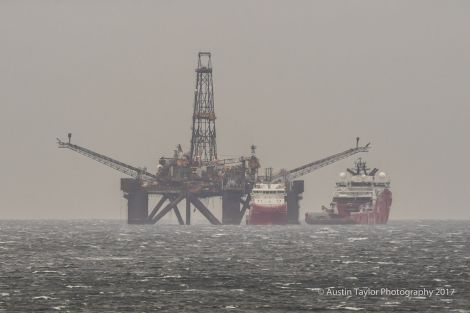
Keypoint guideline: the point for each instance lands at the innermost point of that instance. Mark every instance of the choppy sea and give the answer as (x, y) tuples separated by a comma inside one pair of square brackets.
[(108, 266)]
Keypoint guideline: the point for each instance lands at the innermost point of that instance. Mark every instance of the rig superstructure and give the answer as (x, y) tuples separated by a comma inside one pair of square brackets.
[(200, 174)]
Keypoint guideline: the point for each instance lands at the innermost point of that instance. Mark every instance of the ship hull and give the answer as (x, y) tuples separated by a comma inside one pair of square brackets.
[(328, 220), (379, 214), (267, 215), (349, 213)]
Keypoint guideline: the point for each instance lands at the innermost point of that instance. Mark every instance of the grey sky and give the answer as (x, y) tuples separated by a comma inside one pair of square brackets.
[(300, 79)]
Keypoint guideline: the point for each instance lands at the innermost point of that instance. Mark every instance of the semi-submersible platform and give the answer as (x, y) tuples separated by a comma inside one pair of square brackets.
[(199, 174)]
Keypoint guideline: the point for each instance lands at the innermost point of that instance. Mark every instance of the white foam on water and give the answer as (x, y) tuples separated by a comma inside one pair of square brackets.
[(58, 308), (358, 238), (218, 235), (196, 290), (314, 289), (172, 276), (42, 298), (111, 258), (44, 272), (77, 286)]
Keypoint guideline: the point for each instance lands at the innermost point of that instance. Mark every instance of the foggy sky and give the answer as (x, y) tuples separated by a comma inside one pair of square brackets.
[(300, 79)]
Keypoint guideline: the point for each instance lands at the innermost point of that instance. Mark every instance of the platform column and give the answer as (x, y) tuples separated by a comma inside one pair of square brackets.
[(137, 201), (231, 207), (294, 195), (137, 207)]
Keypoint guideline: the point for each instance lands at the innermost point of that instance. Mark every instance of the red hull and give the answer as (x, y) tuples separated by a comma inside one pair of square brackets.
[(349, 212), (267, 215), (378, 215)]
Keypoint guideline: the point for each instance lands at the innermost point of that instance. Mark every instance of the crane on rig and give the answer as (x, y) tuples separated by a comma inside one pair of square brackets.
[(135, 172), (170, 170), (290, 175)]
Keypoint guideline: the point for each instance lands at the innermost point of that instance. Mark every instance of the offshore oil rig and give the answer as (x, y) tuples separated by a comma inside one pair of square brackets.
[(199, 174)]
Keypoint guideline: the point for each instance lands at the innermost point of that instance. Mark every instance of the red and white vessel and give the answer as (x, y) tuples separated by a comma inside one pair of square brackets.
[(268, 205), (361, 197)]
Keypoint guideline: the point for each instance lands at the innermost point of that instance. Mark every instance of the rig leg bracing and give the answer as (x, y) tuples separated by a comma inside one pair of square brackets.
[(138, 210), (188, 211)]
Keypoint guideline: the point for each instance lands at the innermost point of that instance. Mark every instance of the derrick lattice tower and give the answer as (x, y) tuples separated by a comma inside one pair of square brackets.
[(203, 138)]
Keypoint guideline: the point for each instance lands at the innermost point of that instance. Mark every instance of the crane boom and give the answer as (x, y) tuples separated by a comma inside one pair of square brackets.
[(127, 169), (310, 167)]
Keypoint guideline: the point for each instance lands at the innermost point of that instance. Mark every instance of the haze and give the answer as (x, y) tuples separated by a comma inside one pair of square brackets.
[(300, 79)]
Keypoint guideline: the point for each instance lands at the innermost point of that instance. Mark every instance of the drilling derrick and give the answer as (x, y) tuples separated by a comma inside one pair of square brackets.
[(190, 176), (203, 139)]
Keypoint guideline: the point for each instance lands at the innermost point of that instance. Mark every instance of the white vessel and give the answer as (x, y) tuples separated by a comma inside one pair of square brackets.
[(268, 205)]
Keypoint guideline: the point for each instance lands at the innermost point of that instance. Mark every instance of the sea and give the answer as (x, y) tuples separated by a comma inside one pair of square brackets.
[(109, 266)]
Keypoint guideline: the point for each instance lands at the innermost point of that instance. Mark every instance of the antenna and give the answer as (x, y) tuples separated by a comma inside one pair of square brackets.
[(268, 173), (253, 149)]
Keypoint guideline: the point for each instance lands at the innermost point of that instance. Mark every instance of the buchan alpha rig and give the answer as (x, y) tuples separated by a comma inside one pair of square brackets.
[(199, 173)]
